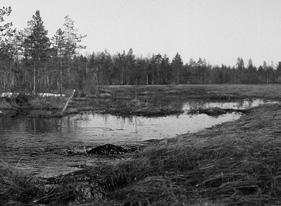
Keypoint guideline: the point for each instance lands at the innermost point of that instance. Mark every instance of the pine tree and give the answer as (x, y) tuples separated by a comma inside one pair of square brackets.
[(177, 66), (6, 32), (36, 46), (240, 64), (5, 27), (59, 46)]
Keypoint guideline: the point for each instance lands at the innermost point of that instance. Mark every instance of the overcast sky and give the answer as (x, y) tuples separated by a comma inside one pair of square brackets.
[(218, 30)]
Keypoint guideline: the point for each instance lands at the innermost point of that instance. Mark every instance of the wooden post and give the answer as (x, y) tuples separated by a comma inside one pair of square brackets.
[(66, 104)]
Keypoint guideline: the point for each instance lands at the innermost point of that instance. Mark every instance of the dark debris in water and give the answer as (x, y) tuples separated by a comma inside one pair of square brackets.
[(216, 111), (152, 111)]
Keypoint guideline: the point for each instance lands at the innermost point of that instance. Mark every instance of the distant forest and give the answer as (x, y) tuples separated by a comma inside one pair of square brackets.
[(32, 61)]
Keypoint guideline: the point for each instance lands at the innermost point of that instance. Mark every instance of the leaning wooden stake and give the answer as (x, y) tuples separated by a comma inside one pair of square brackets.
[(66, 104)]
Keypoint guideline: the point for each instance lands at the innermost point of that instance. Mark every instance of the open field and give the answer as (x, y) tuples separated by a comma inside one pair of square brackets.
[(271, 91), (236, 163)]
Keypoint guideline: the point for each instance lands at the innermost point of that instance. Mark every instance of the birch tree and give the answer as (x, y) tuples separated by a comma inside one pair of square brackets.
[(72, 40)]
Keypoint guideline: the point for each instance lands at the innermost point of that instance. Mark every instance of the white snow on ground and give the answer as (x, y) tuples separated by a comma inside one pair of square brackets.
[(50, 95), (10, 94)]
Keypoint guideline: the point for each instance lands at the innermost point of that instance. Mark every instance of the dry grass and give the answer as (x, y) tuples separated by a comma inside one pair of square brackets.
[(139, 108), (17, 187), (47, 103)]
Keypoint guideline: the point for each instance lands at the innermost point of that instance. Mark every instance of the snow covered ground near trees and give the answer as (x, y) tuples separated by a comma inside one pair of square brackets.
[(11, 94)]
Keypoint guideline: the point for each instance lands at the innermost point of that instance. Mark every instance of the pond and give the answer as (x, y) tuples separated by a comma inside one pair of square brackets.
[(24, 139)]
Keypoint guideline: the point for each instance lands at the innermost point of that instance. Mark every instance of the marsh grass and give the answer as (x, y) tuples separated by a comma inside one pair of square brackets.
[(16, 186), (212, 91), (178, 174), (47, 103), (170, 174), (137, 107)]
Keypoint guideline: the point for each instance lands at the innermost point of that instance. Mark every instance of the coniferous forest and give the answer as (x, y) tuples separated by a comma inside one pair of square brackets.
[(32, 60)]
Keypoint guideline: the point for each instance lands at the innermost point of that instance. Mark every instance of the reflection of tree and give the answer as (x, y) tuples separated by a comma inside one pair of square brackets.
[(26, 125), (136, 124), (197, 104), (40, 125), (236, 104), (8, 124), (240, 104), (250, 102), (161, 100), (105, 119), (122, 120)]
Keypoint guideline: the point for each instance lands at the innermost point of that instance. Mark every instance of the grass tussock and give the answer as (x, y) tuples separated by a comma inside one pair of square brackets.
[(16, 187), (180, 174)]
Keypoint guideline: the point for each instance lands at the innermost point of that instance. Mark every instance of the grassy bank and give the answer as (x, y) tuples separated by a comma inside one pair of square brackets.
[(136, 100), (236, 163)]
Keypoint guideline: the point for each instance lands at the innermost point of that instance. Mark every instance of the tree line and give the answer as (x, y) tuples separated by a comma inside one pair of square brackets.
[(32, 61)]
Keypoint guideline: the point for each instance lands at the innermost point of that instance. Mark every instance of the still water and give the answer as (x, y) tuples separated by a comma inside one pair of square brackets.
[(21, 137), (97, 128)]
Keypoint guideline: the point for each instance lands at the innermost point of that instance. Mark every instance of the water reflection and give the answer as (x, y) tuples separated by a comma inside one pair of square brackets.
[(89, 128), (31, 141), (240, 104), (108, 128)]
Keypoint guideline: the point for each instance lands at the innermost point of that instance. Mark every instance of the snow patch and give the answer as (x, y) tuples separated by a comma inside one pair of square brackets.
[(11, 94), (50, 95)]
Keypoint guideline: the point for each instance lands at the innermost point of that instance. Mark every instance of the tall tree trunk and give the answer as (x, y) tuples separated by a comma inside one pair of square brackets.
[(68, 72), (60, 77), (177, 76), (122, 76), (34, 78)]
